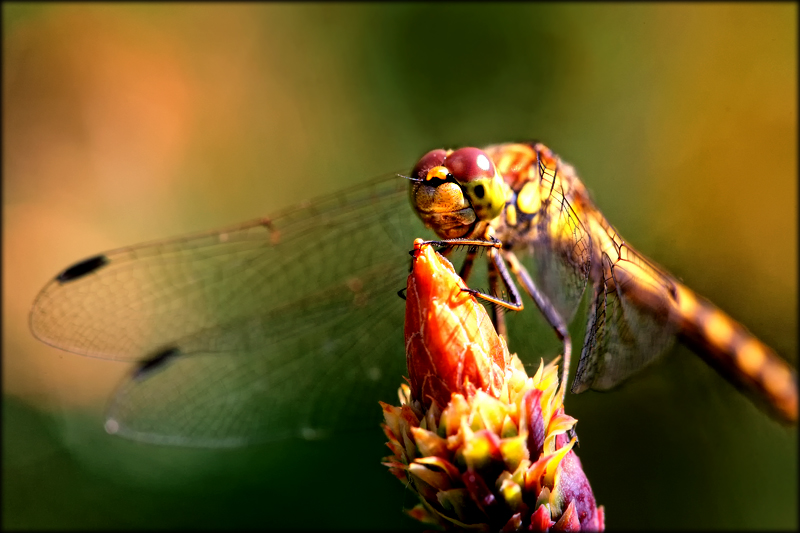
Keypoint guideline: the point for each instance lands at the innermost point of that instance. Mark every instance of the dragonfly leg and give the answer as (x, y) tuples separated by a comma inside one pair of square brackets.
[(500, 267), (497, 263), (498, 312), (548, 310), (450, 244), (497, 268)]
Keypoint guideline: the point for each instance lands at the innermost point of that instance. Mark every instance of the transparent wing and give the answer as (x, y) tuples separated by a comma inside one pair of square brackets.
[(560, 246), (277, 327), (629, 322)]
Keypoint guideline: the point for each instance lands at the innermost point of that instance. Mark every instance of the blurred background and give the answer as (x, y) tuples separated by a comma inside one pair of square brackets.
[(125, 123)]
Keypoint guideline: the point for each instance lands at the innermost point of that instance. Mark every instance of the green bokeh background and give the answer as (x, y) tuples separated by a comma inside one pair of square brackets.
[(125, 123)]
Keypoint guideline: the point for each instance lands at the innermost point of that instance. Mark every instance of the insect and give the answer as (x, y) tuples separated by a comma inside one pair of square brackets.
[(289, 326), (526, 199)]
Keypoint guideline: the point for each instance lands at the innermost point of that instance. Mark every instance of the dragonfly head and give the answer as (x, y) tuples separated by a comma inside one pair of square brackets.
[(453, 191)]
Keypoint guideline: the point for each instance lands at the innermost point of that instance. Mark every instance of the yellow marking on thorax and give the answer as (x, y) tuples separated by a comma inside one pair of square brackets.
[(528, 199), (511, 215)]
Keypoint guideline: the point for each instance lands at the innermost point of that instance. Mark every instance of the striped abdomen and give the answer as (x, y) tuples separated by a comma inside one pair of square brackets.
[(736, 353)]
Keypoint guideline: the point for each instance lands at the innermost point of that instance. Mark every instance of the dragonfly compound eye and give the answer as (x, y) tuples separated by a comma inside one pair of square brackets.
[(476, 173), (432, 159)]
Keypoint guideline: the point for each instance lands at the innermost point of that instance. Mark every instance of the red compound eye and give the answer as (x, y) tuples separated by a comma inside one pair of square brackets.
[(434, 158), (469, 164)]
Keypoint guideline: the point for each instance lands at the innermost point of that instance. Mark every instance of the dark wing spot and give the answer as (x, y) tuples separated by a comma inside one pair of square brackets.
[(479, 192), (159, 360), (78, 270)]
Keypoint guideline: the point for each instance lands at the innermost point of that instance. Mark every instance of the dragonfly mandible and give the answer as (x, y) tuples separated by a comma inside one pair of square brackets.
[(289, 326)]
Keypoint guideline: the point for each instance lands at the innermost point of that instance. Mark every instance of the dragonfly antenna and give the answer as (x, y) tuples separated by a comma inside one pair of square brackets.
[(409, 178)]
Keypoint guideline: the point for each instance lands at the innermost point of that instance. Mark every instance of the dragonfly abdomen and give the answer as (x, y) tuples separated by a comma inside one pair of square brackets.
[(735, 353)]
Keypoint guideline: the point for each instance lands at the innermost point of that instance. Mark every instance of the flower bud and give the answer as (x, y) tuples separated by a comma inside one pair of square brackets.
[(483, 445), (451, 344)]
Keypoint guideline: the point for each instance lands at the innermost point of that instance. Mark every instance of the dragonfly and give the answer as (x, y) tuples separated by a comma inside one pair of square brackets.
[(513, 198), (289, 326)]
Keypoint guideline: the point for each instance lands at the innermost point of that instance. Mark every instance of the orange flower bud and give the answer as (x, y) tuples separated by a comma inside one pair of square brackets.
[(451, 344)]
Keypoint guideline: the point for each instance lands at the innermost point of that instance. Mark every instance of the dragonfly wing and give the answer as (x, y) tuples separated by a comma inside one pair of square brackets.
[(302, 371), (560, 251), (629, 324), (279, 305)]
